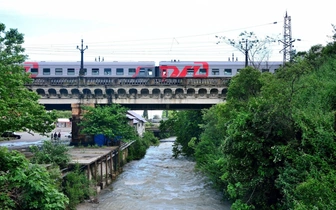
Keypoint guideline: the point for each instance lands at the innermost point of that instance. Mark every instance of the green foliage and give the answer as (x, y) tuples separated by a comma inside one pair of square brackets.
[(149, 137), (167, 127), (19, 106), (27, 186), (138, 149), (50, 153), (246, 84), (63, 114), (108, 120), (272, 144), (186, 127), (77, 187), (145, 114)]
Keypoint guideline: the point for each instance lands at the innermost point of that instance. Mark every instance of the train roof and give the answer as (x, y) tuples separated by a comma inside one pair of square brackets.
[(93, 63), (233, 63)]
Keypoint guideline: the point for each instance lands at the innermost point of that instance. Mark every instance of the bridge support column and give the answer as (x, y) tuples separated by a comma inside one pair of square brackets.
[(77, 115)]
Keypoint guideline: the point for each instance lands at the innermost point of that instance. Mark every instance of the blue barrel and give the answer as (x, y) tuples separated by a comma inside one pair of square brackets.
[(99, 139)]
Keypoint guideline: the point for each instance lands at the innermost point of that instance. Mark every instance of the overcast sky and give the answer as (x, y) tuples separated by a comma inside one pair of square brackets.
[(157, 30)]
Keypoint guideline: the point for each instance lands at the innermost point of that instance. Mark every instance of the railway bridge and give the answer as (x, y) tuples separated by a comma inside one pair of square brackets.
[(133, 93)]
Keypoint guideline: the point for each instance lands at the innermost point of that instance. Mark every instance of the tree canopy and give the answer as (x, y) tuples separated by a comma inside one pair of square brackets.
[(108, 120), (19, 107), (272, 144)]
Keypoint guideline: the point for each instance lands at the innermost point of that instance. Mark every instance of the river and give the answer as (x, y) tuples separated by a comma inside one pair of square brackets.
[(159, 182)]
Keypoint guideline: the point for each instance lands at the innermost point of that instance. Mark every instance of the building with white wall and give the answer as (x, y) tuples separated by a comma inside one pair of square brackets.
[(137, 121)]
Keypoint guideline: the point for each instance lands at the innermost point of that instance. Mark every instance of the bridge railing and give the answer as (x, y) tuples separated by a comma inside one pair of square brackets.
[(99, 81)]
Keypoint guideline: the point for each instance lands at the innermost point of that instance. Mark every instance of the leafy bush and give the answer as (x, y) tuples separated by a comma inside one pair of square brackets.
[(150, 138), (77, 187), (138, 149), (50, 153), (27, 186)]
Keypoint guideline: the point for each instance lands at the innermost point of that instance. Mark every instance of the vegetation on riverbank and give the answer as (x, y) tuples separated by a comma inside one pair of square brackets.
[(272, 144)]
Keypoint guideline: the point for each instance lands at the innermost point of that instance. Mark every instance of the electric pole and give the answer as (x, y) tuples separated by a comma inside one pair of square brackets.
[(82, 49), (246, 49)]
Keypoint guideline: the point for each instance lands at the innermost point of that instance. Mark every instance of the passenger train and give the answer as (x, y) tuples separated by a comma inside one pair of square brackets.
[(166, 69)]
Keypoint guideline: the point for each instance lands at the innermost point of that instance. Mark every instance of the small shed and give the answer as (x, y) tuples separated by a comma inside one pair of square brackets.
[(63, 123)]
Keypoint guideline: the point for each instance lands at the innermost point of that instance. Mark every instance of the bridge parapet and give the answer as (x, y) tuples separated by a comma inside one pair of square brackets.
[(105, 81)]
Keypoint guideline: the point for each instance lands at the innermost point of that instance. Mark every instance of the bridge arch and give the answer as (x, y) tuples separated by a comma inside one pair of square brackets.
[(190, 92), (109, 92), (75, 93), (224, 91), (156, 93), (144, 93), (133, 93), (40, 92), (52, 92), (122, 93), (202, 92), (214, 92), (98, 93), (179, 93), (168, 93), (64, 92)]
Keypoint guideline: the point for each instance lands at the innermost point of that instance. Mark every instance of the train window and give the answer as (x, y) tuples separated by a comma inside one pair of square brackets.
[(58, 71), (142, 72), (150, 72), (190, 72), (215, 71), (71, 71), (227, 71), (107, 71), (264, 70), (34, 71), (131, 71), (46, 71), (120, 71), (95, 71), (202, 71)]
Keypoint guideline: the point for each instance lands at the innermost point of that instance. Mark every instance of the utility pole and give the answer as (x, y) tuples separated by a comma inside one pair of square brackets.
[(247, 48), (81, 70), (246, 53), (251, 43)]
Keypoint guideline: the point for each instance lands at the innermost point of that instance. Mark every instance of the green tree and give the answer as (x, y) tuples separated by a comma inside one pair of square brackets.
[(19, 107), (63, 114), (167, 127), (108, 120), (187, 130), (145, 114), (27, 186)]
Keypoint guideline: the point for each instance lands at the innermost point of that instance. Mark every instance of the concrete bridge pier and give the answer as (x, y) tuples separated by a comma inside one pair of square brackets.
[(77, 116)]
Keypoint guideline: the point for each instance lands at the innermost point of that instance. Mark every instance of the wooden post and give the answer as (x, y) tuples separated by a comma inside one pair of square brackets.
[(119, 158), (95, 166), (101, 173), (111, 166), (89, 171), (106, 175)]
